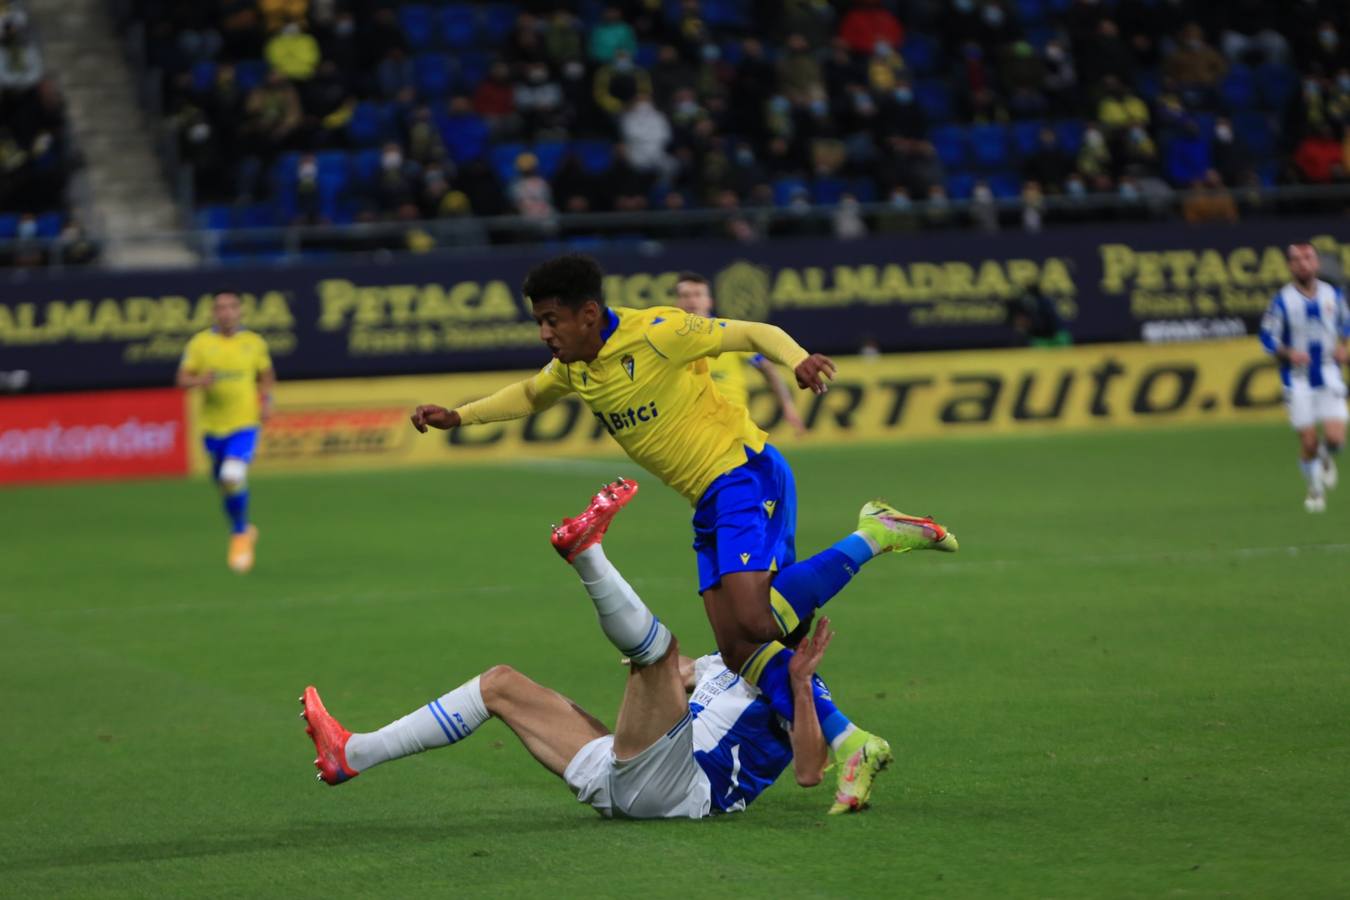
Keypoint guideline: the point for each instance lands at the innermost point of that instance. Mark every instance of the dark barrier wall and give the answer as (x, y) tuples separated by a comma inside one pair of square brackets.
[(910, 292)]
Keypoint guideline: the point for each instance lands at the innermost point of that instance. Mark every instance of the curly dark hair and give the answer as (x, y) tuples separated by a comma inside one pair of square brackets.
[(572, 280)]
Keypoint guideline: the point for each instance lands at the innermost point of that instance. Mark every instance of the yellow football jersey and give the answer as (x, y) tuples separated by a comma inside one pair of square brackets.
[(662, 410), (729, 373), (231, 402)]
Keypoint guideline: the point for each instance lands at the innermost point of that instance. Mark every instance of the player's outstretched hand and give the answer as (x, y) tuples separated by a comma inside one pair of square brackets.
[(813, 373), (435, 416), (811, 651)]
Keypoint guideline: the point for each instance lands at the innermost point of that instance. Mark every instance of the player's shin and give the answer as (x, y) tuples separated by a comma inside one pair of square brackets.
[(443, 721), (767, 669), (805, 586), (624, 618)]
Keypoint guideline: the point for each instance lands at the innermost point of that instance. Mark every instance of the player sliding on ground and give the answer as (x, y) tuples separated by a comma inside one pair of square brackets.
[(1305, 328), (644, 375), (692, 739), (232, 367)]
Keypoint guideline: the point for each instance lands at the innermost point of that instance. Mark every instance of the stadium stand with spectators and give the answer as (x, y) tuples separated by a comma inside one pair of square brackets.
[(342, 111)]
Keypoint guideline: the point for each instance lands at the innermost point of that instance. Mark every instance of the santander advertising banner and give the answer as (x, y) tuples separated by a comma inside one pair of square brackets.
[(110, 434)]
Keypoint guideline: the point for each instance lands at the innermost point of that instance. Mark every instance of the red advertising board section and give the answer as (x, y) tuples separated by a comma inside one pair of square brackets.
[(109, 434)]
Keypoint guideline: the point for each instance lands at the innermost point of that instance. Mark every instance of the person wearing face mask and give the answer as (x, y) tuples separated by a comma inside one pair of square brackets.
[(798, 71), (538, 100), (1232, 160), (867, 24), (884, 68), (646, 131), (900, 114), (1324, 48), (611, 36), (495, 100), (293, 52)]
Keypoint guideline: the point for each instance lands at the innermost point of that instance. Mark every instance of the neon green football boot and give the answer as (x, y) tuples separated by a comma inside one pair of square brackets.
[(896, 532), (857, 773)]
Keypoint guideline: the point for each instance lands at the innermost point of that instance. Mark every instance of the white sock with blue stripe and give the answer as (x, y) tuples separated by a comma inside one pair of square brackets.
[(443, 721), (624, 618)]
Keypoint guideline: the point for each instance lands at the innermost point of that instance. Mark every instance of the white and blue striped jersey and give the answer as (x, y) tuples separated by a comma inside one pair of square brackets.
[(1314, 325), (741, 744)]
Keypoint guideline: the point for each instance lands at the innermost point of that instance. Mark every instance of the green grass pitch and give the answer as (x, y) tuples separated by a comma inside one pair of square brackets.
[(1131, 682)]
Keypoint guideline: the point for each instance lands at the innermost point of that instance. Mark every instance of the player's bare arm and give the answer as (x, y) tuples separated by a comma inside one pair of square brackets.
[(515, 401), (267, 382), (810, 754), (780, 390), (687, 674), (813, 370)]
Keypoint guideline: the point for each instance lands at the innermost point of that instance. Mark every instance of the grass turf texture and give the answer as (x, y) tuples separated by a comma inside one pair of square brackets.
[(1132, 681)]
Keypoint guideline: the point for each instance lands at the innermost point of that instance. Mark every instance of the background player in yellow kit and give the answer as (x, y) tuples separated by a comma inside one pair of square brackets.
[(234, 370), (644, 376), (729, 371)]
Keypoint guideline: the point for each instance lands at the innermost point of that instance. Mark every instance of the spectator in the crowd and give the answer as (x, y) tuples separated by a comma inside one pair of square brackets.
[(395, 185), (925, 168), (961, 25), (1337, 106), (423, 139), (937, 208), (868, 24), (1033, 207), (1208, 201), (539, 102), (983, 208), (1195, 64), (563, 39), (1232, 158), (1186, 157), (432, 195), (841, 70), (20, 61), (1094, 158), (798, 71), (670, 74), (523, 45), (531, 196), (279, 13), (884, 68), (754, 80), (293, 52), (812, 19), (307, 191), (612, 35), (899, 214), (1036, 320), (1327, 50), (1139, 152), (1023, 75), (1320, 157), (495, 100), (1104, 53), (381, 35), (1050, 164), (900, 113), (394, 72), (573, 186), (997, 26), (272, 115), (479, 183), (1250, 34), (626, 186), (1120, 108), (847, 220), (646, 132), (617, 83), (1061, 78), (241, 29)]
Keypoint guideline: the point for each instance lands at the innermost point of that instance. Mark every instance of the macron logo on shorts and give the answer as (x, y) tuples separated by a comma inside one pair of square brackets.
[(745, 558)]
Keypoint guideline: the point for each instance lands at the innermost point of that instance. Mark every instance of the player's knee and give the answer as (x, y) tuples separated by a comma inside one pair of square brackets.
[(499, 683), (233, 476)]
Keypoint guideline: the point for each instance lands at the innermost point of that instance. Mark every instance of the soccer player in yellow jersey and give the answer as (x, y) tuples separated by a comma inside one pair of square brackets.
[(232, 367), (728, 370), (644, 375)]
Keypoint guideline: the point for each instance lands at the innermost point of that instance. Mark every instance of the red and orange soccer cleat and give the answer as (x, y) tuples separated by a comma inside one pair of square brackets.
[(576, 534), (330, 740)]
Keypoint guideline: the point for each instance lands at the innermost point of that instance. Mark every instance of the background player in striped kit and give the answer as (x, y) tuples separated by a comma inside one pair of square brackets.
[(1305, 328)]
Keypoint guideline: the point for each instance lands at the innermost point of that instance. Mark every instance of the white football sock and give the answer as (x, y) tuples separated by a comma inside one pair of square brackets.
[(1312, 473), (624, 618), (443, 721)]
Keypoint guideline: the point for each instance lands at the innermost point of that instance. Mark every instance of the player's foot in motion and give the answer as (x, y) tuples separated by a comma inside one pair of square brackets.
[(896, 532), (576, 534), (240, 556), (1315, 503), (1330, 475), (330, 739), (858, 772)]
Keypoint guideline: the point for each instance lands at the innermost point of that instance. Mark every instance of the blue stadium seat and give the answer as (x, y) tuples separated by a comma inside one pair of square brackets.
[(1030, 12), (473, 66), (256, 215), (1070, 133), (1005, 185), (203, 76), (550, 155), (214, 218), (921, 53), (365, 168), (952, 144), (433, 75), (368, 125), (1238, 89), (935, 98), (784, 189), (418, 27), (465, 137), (1256, 131), (498, 21), (645, 56), (989, 146), (1277, 85), (865, 189), (595, 155), (249, 73), (827, 190), (1148, 83), (960, 187), (459, 26), (9, 226), (502, 158), (332, 162), (733, 52), (1268, 173), (1026, 137), (1040, 35)]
